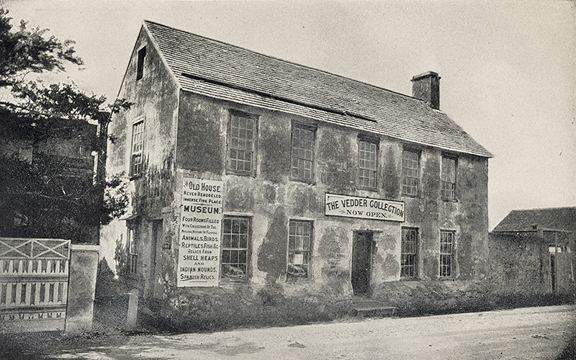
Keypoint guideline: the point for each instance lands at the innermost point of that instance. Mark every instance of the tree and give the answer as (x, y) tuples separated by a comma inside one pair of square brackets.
[(24, 51), (45, 194)]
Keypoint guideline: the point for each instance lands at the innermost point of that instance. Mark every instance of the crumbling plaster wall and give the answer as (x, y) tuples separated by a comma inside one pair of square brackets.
[(155, 101), (519, 264), (271, 199)]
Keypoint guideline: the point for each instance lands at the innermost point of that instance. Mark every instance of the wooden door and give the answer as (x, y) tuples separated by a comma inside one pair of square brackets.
[(361, 262)]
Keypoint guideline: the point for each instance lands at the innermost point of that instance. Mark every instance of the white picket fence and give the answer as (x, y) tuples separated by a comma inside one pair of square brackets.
[(33, 284)]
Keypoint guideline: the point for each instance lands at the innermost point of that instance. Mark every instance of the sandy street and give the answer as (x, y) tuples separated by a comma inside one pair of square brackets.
[(528, 333)]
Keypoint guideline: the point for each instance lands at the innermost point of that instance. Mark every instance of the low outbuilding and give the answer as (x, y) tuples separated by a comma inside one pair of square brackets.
[(531, 251)]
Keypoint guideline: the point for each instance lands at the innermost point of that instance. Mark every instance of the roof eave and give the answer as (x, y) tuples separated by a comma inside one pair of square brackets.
[(486, 154)]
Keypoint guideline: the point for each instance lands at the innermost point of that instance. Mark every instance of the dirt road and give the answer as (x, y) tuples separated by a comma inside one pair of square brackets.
[(529, 333)]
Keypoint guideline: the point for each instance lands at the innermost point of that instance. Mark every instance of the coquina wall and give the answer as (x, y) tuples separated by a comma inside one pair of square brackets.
[(186, 136), (526, 264)]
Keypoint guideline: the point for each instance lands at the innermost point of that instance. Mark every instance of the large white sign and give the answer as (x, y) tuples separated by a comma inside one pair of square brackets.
[(364, 208), (200, 229)]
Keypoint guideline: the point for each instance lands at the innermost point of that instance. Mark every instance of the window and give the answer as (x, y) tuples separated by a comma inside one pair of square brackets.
[(299, 245), (132, 255), (448, 178), (303, 153), (140, 69), (446, 253), (136, 165), (235, 243), (241, 143), (410, 172), (409, 253), (367, 164)]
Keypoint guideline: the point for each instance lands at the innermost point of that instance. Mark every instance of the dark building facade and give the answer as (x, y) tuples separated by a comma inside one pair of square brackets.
[(249, 173), (47, 165)]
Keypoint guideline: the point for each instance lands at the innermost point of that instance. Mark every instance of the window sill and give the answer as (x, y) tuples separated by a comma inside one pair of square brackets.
[(241, 173), (411, 196), (136, 176), (450, 200), (297, 279), (309, 182), (367, 189)]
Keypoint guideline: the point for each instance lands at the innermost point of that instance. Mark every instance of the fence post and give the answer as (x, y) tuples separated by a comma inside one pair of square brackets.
[(132, 313), (81, 288)]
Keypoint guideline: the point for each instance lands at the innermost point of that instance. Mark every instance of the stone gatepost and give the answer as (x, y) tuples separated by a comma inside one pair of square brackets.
[(81, 288)]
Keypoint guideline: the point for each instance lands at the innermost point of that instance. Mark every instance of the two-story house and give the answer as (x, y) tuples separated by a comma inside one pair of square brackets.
[(250, 172)]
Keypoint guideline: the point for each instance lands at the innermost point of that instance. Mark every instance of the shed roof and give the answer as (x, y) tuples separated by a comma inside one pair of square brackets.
[(219, 70), (552, 218)]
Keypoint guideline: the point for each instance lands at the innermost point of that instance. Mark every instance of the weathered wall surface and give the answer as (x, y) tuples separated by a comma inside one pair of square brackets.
[(155, 97), (271, 199), (186, 136), (520, 264), (526, 264)]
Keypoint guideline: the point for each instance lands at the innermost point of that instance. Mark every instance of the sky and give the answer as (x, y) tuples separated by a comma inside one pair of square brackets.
[(508, 68)]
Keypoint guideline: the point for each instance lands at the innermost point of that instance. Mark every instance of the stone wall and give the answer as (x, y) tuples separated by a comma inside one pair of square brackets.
[(521, 263), (271, 199), (155, 101), (186, 137)]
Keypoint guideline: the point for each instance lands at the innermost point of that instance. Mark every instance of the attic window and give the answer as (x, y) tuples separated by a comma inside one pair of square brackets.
[(141, 56)]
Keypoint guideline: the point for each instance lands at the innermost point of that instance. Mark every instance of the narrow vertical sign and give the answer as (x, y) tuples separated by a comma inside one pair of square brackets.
[(200, 229)]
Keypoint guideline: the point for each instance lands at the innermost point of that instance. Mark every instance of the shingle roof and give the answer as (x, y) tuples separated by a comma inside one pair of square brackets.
[(553, 218), (216, 69)]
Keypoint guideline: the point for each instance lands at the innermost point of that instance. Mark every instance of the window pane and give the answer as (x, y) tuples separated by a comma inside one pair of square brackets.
[(227, 241), (234, 257), (235, 226), (367, 164), (299, 247), (241, 143), (446, 252), (410, 172), (302, 153), (235, 240), (242, 257), (409, 253), (226, 256), (137, 147)]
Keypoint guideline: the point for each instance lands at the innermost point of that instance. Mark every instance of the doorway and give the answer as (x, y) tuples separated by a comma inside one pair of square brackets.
[(362, 246)]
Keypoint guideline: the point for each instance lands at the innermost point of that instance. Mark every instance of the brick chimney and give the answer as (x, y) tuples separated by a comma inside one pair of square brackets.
[(426, 87)]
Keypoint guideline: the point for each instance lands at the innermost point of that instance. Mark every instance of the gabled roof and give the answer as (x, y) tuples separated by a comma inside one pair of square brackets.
[(216, 69), (525, 220)]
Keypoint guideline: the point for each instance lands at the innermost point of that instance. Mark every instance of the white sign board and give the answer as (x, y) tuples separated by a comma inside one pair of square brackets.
[(200, 229), (363, 208)]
